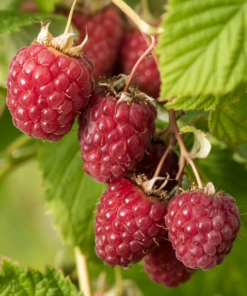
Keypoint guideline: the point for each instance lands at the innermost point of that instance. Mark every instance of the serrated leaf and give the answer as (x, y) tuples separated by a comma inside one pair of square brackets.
[(203, 47), (207, 102), (71, 194), (16, 281), (201, 146), (230, 124)]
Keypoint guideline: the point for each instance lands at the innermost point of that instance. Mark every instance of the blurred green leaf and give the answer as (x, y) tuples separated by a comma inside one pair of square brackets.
[(230, 124), (70, 193), (47, 6), (202, 49), (207, 102), (10, 4), (16, 281), (3, 94)]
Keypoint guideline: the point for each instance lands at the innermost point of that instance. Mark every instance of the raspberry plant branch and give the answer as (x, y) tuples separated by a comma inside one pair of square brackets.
[(119, 280), (185, 155), (143, 56), (83, 273), (143, 26), (17, 153), (163, 158)]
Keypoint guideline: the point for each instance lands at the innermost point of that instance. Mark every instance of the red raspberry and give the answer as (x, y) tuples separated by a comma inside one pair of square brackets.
[(164, 268), (104, 36), (202, 228), (151, 160), (148, 80), (113, 137), (128, 224), (46, 90)]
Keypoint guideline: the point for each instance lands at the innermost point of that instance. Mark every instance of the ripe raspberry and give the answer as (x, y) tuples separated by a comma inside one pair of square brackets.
[(202, 228), (128, 224), (132, 47), (151, 160), (104, 36), (164, 268), (47, 88), (113, 137)]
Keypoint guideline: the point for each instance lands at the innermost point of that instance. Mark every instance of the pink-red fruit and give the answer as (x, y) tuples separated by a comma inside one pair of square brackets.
[(128, 224), (164, 268), (46, 91), (147, 75), (104, 35), (113, 137), (202, 228)]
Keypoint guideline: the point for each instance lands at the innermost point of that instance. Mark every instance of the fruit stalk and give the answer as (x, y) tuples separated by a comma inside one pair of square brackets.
[(83, 272), (119, 280), (143, 56), (184, 153), (162, 160)]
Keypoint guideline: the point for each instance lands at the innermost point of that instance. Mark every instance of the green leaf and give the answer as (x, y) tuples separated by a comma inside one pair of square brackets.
[(230, 124), (207, 102), (13, 21), (3, 94), (203, 47), (201, 146), (71, 194), (16, 281), (47, 6)]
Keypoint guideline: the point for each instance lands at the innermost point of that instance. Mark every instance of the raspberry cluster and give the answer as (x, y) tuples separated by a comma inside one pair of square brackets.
[(51, 82)]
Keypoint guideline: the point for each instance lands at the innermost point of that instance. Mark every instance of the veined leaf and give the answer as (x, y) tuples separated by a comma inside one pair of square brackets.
[(203, 47), (71, 194), (207, 102), (16, 281), (230, 124)]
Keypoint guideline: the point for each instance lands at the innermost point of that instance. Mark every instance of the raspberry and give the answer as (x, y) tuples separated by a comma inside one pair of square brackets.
[(128, 224), (164, 268), (132, 47), (47, 89), (151, 160), (113, 137), (202, 228), (104, 37)]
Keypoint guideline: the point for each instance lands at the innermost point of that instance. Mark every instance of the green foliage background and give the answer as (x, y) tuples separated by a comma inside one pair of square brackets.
[(203, 63)]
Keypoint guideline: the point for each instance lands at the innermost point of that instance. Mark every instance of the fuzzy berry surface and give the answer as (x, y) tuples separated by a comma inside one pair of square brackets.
[(46, 91), (151, 160), (128, 224), (163, 267), (113, 137), (202, 228), (104, 36), (147, 75)]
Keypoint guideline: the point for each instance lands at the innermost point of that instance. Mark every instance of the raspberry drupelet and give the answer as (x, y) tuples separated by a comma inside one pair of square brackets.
[(48, 85), (202, 227), (163, 267), (128, 223), (104, 35), (114, 134)]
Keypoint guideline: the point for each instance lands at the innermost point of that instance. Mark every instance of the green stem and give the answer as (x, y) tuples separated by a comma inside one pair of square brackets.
[(83, 272), (119, 280), (67, 29), (17, 144)]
